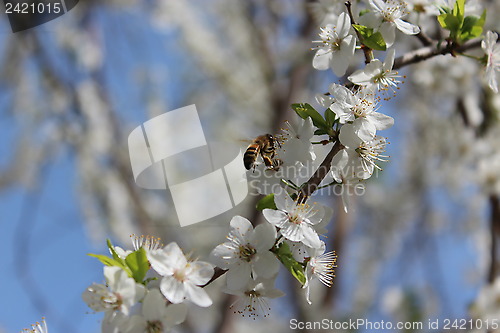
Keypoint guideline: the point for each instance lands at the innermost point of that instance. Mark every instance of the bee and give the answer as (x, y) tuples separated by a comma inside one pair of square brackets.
[(265, 145)]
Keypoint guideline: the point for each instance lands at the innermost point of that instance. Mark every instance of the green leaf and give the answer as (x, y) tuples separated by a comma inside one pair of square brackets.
[(105, 259), (266, 202), (363, 30), (112, 262), (300, 111), (113, 251), (138, 263), (459, 10), (449, 22), (376, 42), (330, 117), (472, 27), (294, 267), (372, 40), (115, 261), (320, 132), (305, 110)]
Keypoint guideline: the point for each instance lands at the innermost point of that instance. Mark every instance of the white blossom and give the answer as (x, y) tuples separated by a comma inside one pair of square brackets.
[(346, 174), (377, 74), (252, 300), (320, 266), (297, 142), (296, 221), (492, 50), (337, 46), (386, 16), (246, 255), (120, 293), (156, 315), (359, 108), (362, 154), (181, 279)]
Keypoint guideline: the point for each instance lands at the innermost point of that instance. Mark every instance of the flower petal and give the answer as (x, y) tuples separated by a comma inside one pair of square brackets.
[(275, 217), (198, 295), (380, 120), (242, 228), (200, 272), (310, 237), (172, 289), (348, 136), (266, 266), (238, 276), (263, 237), (406, 27), (343, 25), (322, 58)]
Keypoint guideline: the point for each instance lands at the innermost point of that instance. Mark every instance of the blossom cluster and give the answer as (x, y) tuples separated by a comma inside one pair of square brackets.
[(146, 290)]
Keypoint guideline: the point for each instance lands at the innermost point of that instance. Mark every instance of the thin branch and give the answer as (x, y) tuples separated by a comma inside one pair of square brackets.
[(425, 39), (441, 48), (320, 174)]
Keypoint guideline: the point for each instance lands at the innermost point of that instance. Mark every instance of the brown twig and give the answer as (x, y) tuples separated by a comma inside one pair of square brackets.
[(425, 39), (312, 184), (428, 52)]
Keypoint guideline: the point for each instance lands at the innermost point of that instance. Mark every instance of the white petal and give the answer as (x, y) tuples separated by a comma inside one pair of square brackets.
[(281, 200), (112, 274), (172, 289), (311, 238), (200, 272), (242, 227), (339, 161), (266, 265), (341, 59), (238, 276), (406, 27), (388, 31), (275, 217), (175, 314), (490, 41), (364, 129), (224, 255), (491, 78), (389, 60), (322, 58), (292, 232), (348, 137), (160, 262), (153, 306), (263, 237), (377, 5), (380, 120), (175, 256), (343, 25), (359, 77), (198, 295)]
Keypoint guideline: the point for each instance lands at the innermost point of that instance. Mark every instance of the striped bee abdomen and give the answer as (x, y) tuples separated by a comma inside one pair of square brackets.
[(250, 156)]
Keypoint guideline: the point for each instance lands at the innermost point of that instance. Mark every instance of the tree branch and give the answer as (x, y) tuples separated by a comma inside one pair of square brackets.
[(441, 48), (312, 184)]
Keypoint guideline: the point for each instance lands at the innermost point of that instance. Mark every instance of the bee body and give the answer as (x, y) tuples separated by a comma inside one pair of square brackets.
[(265, 146)]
